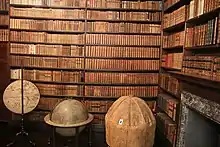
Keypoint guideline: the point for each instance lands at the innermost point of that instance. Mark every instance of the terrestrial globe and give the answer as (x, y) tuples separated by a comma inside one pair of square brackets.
[(68, 115)]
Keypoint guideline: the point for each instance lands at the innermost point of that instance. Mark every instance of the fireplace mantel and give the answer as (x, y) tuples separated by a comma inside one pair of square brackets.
[(205, 107)]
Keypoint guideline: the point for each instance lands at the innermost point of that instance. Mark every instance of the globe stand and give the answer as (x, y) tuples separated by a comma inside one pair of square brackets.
[(76, 137), (22, 132)]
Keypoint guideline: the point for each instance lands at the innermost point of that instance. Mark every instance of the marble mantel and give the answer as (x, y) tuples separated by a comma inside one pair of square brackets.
[(205, 107)]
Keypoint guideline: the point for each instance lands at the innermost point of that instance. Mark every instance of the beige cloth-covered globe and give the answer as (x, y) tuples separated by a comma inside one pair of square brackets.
[(68, 115), (130, 123)]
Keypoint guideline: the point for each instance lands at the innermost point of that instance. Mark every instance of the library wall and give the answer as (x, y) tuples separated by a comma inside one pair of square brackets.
[(94, 51)]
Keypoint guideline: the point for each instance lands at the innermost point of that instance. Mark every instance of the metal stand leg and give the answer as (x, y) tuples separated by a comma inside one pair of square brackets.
[(22, 133), (77, 137), (90, 135), (53, 137)]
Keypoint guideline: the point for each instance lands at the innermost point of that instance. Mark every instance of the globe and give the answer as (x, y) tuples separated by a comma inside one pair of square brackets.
[(67, 115)]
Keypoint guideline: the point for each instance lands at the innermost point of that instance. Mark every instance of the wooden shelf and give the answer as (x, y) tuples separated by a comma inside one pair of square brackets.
[(175, 28), (47, 18), (31, 42), (4, 12), (88, 84), (124, 33), (127, 21), (94, 97), (88, 8), (172, 48), (170, 93), (156, 46), (198, 80), (3, 26), (123, 9), (44, 6), (204, 17), (170, 68), (50, 31), (176, 5), (86, 70), (203, 47), (87, 57), (80, 32)]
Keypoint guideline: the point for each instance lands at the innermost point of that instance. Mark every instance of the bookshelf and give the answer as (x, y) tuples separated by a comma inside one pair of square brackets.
[(94, 51), (190, 53), (172, 51)]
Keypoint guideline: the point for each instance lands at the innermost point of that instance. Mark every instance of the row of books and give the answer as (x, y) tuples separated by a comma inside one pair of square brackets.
[(172, 60), (43, 37), (122, 64), (199, 65), (4, 20), (169, 105), (73, 3), (91, 51), (91, 105), (46, 75), (150, 5), (47, 62), (76, 26), (116, 64), (95, 77), (80, 14), (94, 3), (4, 4), (199, 7), (77, 63), (117, 91), (176, 17), (173, 40), (120, 78), (99, 91), (42, 49), (137, 52), (123, 27), (107, 39), (170, 84), (4, 35), (44, 25), (98, 106), (48, 13), (205, 34), (149, 40), (114, 15), (169, 3), (59, 90), (167, 126)]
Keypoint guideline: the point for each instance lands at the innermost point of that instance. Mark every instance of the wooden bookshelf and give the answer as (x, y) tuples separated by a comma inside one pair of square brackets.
[(173, 26), (199, 70), (104, 45)]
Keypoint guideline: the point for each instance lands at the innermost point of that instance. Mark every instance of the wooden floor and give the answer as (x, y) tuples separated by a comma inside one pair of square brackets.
[(40, 133)]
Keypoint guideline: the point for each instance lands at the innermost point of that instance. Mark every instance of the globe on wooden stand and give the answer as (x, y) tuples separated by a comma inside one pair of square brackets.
[(69, 118), (21, 97)]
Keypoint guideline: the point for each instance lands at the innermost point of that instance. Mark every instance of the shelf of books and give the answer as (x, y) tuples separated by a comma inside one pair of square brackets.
[(94, 51), (173, 26), (190, 52), (201, 57)]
